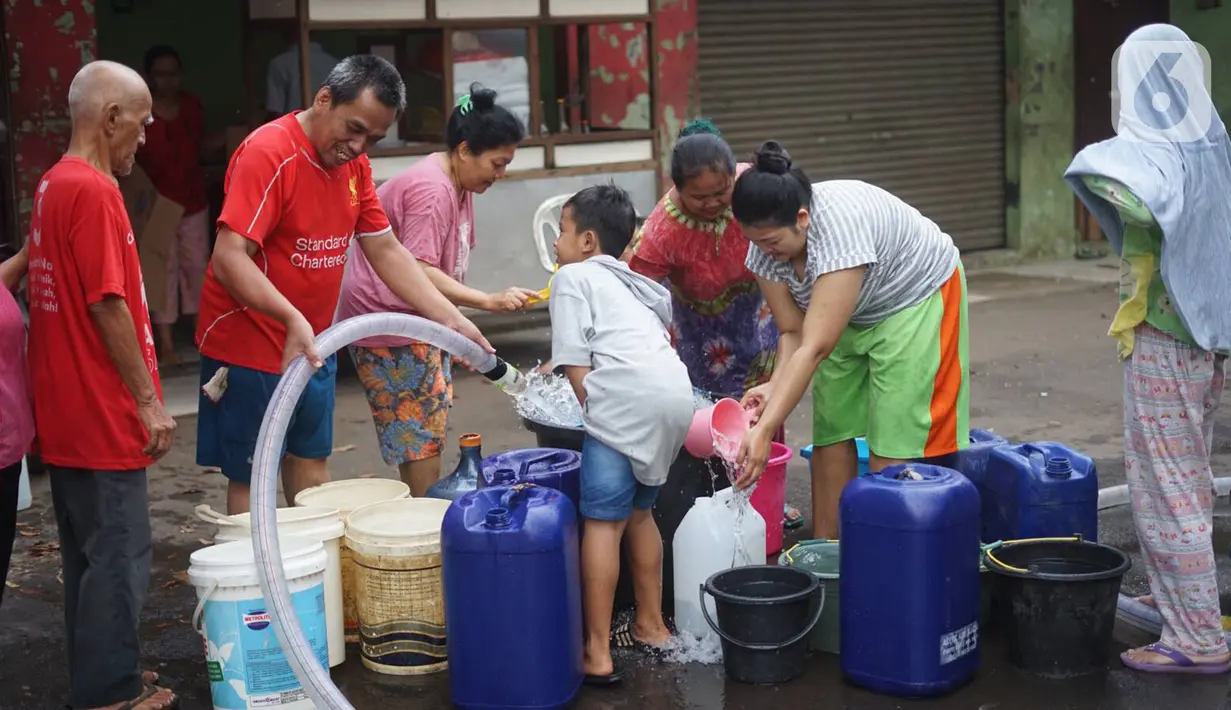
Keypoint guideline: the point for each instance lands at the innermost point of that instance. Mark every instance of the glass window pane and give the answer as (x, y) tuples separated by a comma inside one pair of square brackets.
[(497, 59)]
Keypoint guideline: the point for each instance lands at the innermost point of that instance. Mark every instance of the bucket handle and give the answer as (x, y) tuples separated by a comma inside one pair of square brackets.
[(816, 617), (987, 550), (207, 513), (196, 614)]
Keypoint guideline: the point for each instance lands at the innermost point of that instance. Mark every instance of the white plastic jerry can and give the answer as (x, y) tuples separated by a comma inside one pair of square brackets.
[(717, 533), (24, 498)]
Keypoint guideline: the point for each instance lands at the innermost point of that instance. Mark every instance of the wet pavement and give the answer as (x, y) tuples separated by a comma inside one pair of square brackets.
[(1042, 368)]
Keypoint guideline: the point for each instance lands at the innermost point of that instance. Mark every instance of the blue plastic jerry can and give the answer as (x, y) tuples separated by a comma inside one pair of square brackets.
[(1043, 489)]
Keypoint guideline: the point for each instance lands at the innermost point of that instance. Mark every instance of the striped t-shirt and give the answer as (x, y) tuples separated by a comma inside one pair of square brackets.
[(853, 224)]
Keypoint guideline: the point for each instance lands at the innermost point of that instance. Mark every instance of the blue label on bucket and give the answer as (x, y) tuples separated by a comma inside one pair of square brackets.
[(247, 668)]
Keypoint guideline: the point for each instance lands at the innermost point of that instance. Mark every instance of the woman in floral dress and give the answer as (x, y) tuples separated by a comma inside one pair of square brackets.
[(721, 327)]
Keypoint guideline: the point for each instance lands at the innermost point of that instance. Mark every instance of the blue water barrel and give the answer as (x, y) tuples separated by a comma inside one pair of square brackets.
[(559, 469), (1043, 489), (512, 587), (909, 580)]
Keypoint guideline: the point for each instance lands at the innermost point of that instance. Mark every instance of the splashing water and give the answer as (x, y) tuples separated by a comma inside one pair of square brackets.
[(549, 399), (726, 451)]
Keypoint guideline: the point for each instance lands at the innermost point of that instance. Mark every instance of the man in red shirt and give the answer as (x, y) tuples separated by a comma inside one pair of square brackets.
[(97, 398), (298, 191)]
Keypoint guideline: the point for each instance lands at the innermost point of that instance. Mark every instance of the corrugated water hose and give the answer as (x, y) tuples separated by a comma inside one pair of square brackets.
[(268, 458)]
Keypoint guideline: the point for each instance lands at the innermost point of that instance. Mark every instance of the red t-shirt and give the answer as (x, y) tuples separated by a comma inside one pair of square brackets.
[(302, 217), (171, 155), (81, 250)]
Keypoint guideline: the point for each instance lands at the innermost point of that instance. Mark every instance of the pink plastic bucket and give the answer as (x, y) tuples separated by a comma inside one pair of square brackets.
[(722, 424), (769, 497)]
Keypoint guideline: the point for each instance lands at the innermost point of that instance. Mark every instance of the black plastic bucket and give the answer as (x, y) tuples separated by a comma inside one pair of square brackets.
[(1057, 602), (765, 613)]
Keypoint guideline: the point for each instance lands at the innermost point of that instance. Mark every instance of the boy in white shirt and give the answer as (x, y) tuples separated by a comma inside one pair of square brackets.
[(609, 334)]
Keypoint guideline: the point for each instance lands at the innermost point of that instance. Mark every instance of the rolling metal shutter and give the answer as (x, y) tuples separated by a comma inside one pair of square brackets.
[(904, 94)]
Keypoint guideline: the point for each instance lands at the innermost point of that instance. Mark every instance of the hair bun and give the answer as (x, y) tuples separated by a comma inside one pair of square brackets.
[(700, 126), (483, 98), (771, 157)]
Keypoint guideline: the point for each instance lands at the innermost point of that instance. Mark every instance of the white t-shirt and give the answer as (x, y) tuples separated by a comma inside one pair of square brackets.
[(639, 399), (854, 223)]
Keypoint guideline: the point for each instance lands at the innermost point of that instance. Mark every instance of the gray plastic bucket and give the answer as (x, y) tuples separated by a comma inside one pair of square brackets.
[(820, 557)]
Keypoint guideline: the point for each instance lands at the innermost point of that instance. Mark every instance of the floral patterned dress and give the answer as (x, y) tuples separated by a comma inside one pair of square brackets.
[(722, 327)]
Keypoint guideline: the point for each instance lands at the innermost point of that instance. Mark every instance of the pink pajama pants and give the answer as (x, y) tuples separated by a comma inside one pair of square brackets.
[(186, 264)]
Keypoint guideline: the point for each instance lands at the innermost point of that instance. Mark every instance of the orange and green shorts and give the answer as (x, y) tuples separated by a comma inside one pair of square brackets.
[(410, 390), (903, 383)]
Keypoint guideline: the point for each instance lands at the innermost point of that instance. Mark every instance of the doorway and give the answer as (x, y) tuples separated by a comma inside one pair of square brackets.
[(1099, 27)]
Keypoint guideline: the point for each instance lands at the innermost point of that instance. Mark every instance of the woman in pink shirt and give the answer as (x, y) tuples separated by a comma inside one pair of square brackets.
[(431, 207), (16, 413)]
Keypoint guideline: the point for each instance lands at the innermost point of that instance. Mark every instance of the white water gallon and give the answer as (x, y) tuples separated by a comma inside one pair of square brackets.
[(318, 523), (246, 665), (717, 533)]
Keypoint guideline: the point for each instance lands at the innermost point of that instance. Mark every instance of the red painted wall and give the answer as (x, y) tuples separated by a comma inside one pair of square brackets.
[(619, 76), (47, 42), (676, 89)]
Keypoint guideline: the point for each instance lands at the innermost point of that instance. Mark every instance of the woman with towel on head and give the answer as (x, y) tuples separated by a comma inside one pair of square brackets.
[(1159, 190)]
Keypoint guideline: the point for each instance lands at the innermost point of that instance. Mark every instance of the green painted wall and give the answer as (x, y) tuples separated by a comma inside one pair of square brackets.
[(209, 39), (1039, 117), (1212, 29)]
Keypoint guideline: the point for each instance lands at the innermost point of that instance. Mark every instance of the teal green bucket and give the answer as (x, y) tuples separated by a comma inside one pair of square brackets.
[(820, 557)]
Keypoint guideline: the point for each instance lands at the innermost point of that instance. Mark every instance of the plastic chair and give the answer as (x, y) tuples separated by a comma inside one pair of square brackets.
[(547, 229)]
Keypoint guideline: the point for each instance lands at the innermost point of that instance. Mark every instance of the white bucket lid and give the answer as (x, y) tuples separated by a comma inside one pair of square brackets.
[(233, 564), (352, 493), (410, 526), (315, 521)]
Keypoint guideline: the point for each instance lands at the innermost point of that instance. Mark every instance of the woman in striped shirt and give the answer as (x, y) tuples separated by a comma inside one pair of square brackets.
[(870, 301)]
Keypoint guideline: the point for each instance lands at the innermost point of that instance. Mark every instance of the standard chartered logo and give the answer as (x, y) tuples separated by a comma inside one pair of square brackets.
[(320, 252)]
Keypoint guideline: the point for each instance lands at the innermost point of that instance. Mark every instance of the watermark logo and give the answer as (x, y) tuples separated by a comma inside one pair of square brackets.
[(1161, 91)]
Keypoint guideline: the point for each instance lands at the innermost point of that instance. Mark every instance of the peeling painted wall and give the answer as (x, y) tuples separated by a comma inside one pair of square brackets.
[(676, 86), (47, 41), (619, 92)]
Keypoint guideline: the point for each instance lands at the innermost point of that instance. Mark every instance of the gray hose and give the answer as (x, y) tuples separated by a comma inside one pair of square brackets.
[(268, 458)]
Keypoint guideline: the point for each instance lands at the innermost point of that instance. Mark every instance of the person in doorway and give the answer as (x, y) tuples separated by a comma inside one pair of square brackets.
[(16, 408), (1161, 201), (283, 90), (298, 190), (409, 384), (870, 299), (721, 325), (609, 334), (98, 406), (174, 146)]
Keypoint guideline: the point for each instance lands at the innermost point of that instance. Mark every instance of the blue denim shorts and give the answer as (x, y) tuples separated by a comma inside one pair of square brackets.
[(609, 490), (227, 431)]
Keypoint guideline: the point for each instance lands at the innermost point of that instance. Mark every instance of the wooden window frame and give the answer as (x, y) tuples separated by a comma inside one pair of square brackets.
[(531, 26)]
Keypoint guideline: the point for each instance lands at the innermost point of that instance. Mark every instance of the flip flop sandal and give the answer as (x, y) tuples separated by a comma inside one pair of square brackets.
[(622, 639), (1180, 662), (791, 523), (615, 677)]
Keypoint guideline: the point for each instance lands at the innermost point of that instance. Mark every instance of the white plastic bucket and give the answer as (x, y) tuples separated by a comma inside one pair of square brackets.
[(24, 498), (395, 547), (316, 523), (247, 667), (346, 496)]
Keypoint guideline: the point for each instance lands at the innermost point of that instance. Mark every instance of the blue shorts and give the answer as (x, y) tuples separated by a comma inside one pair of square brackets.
[(609, 490), (227, 431)]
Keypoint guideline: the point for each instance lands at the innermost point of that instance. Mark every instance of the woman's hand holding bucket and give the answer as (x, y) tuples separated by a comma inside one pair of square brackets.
[(753, 456), (755, 399)]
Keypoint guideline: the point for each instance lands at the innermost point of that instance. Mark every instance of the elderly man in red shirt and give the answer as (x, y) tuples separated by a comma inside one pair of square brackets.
[(298, 191), (97, 397)]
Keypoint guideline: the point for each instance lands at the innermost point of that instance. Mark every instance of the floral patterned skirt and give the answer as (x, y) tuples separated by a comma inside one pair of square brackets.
[(729, 344), (410, 390)]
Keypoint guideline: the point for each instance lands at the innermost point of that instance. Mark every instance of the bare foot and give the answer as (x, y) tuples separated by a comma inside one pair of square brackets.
[(1148, 600), (656, 634), (598, 661), (152, 699), (168, 356)]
